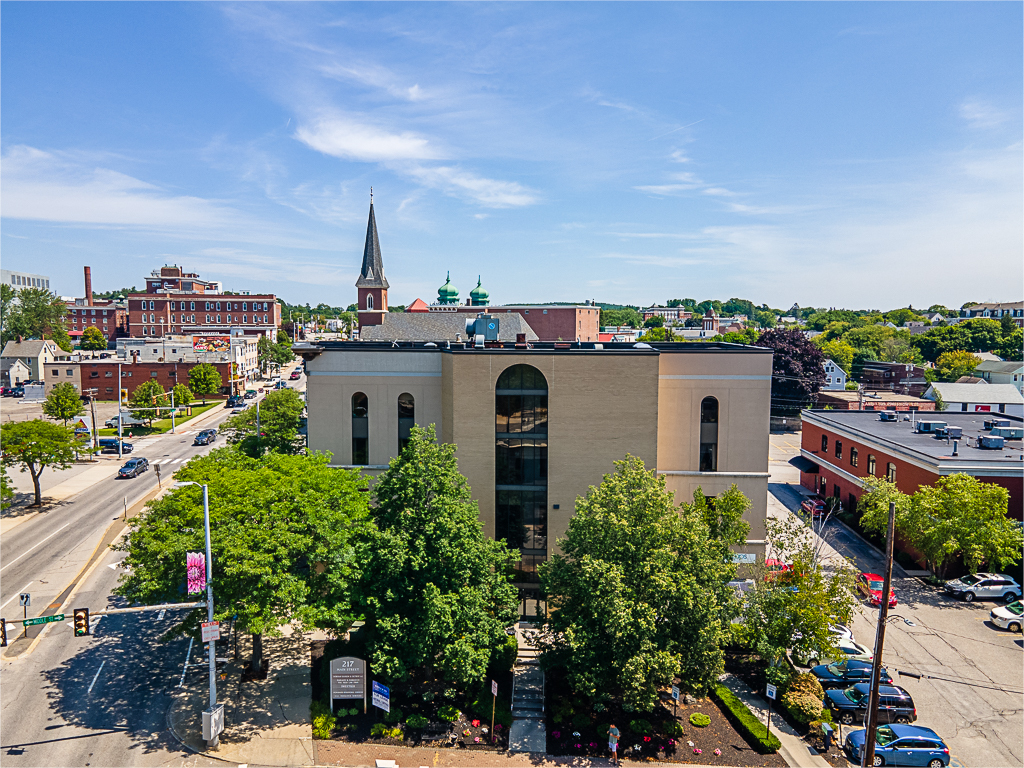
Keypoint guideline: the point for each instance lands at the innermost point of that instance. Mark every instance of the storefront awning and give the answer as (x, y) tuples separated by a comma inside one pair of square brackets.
[(804, 465)]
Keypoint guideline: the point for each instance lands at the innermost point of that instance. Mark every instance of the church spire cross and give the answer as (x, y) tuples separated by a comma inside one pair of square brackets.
[(372, 273)]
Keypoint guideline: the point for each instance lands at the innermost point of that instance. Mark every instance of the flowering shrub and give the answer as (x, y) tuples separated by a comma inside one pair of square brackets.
[(718, 753), (475, 723), (697, 751)]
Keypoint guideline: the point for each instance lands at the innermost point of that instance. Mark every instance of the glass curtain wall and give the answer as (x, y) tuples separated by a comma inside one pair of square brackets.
[(521, 471)]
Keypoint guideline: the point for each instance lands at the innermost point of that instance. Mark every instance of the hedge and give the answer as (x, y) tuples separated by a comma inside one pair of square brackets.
[(745, 721)]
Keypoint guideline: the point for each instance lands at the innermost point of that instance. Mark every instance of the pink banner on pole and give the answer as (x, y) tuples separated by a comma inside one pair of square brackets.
[(196, 570)]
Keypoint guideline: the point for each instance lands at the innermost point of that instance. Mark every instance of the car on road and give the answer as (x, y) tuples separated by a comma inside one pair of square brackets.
[(842, 674), (240, 407), (813, 506), (233, 401), (870, 585), (281, 385), (850, 705), (250, 394), (205, 437), (109, 445), (1008, 616), (990, 586), (127, 420), (133, 467), (295, 375), (848, 648), (901, 745)]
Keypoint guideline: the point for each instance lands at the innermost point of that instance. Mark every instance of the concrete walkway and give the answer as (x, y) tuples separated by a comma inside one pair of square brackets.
[(794, 751), (528, 732)]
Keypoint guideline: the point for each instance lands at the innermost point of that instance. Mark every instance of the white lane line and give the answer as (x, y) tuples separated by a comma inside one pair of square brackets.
[(97, 676), (188, 656), (16, 594), (34, 546)]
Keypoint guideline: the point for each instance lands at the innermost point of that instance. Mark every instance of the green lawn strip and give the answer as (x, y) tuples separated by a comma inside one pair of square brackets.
[(160, 426), (746, 722)]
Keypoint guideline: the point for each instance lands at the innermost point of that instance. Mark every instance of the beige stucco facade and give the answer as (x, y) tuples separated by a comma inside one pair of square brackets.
[(603, 403)]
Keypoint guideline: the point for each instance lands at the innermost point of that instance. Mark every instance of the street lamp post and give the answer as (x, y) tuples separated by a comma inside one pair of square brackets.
[(209, 600)]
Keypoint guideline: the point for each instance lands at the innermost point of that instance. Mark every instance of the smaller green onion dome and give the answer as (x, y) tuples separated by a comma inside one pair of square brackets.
[(479, 297), (448, 293)]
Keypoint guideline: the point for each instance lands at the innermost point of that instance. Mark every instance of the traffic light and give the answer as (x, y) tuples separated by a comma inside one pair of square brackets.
[(81, 622), (3, 633)]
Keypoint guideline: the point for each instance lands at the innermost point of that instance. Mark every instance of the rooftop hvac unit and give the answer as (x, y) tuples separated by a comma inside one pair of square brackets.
[(992, 423), (1008, 433), (954, 433), (930, 426), (482, 328), (990, 442), (888, 416)]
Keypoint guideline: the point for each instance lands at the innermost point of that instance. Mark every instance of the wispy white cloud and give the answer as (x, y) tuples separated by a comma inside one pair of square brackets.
[(980, 114), (350, 139), (492, 193), (718, 192), (374, 76), (245, 265)]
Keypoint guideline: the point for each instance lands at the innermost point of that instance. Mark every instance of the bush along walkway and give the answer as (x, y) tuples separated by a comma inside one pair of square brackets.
[(528, 733), (790, 746)]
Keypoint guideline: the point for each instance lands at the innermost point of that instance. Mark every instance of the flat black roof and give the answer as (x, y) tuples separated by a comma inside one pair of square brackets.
[(901, 435), (312, 349)]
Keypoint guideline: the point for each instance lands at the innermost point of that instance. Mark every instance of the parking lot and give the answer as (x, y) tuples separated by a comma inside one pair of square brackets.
[(972, 687)]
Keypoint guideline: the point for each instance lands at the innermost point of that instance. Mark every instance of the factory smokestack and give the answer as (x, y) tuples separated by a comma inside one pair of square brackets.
[(88, 286)]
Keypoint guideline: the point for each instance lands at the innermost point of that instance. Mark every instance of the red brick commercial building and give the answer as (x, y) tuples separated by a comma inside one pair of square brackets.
[(103, 375), (839, 449), (154, 315), (173, 279), (872, 401)]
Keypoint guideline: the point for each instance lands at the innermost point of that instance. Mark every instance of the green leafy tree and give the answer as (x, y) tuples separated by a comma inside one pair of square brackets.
[(283, 338), (978, 334), (818, 320), (7, 306), (957, 517), (903, 316), (1006, 325), (621, 317), (940, 403), (149, 401), (1011, 346), (280, 418), (92, 339), (63, 403), (204, 380), (35, 445), (797, 369), (898, 349), (952, 365), (794, 608), (766, 318), (639, 593), (37, 314), (839, 352), (6, 488), (183, 396), (657, 321), (748, 336), (435, 591), (738, 307), (707, 304), (873, 338), (658, 334), (283, 531)]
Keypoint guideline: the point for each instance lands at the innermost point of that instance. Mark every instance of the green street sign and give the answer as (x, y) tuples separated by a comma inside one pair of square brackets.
[(43, 620)]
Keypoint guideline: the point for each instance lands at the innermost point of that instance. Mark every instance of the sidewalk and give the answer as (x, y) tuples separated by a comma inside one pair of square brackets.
[(793, 750)]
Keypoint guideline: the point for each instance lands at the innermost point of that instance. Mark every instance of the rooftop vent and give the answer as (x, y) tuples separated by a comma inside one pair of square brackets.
[(888, 416), (990, 443), (931, 426)]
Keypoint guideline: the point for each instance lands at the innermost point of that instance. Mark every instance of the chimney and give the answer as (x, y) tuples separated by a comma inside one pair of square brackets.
[(88, 286)]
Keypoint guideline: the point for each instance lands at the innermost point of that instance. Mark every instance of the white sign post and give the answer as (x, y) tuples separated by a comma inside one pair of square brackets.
[(675, 698), (494, 702), (211, 631), (772, 690)]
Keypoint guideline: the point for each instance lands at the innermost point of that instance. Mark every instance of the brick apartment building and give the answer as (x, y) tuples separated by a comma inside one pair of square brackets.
[(839, 449), (103, 375)]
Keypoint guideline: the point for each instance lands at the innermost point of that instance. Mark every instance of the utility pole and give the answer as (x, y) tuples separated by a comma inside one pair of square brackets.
[(868, 754), (120, 431)]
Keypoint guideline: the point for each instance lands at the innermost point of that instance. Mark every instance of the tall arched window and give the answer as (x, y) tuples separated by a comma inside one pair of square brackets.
[(369, 301), (360, 429), (709, 435), (406, 419), (853, 457), (890, 472), (871, 463), (521, 471)]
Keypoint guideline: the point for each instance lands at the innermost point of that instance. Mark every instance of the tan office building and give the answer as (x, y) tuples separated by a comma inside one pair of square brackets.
[(536, 425)]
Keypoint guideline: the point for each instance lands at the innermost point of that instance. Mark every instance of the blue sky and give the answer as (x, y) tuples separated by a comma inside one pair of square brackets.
[(830, 154)]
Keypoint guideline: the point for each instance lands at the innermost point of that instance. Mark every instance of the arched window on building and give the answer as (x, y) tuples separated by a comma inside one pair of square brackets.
[(709, 435), (406, 419), (853, 456), (360, 429), (824, 443), (369, 301), (871, 463), (521, 474), (890, 472), (839, 449)]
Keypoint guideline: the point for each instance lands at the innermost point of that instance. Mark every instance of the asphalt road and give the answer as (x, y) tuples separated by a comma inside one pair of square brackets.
[(973, 690)]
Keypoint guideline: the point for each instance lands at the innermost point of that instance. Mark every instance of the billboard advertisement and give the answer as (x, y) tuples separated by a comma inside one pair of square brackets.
[(211, 343)]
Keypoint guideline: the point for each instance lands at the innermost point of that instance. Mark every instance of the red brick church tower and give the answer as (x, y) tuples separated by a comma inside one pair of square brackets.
[(372, 285)]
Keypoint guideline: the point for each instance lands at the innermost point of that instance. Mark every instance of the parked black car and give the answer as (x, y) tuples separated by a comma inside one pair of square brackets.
[(133, 467), (842, 674), (109, 445), (18, 391), (234, 401), (850, 705), (205, 437)]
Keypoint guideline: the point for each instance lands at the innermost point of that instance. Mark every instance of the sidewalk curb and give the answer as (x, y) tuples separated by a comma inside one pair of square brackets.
[(181, 741)]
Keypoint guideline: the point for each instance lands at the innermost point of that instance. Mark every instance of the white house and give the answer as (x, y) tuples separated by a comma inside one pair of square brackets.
[(1000, 372), (981, 397), (835, 377)]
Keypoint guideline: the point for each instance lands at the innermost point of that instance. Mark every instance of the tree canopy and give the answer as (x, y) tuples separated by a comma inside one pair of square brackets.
[(35, 445), (203, 380), (638, 594), (149, 402), (92, 339), (280, 417), (182, 395), (435, 591), (37, 314), (283, 531), (957, 517), (63, 403), (952, 365), (797, 369)]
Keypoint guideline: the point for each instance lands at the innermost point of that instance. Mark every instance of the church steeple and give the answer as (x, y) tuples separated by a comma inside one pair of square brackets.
[(372, 285)]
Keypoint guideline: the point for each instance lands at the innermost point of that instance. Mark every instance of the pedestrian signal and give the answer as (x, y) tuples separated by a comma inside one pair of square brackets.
[(81, 622), (3, 633)]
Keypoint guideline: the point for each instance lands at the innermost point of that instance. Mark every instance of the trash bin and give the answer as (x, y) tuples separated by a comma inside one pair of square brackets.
[(826, 729)]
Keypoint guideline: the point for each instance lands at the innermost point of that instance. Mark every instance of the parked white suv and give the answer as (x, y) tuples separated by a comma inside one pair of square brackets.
[(991, 586)]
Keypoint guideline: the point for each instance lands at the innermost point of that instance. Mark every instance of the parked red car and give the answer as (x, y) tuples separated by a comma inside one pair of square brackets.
[(814, 507), (775, 568), (870, 585)]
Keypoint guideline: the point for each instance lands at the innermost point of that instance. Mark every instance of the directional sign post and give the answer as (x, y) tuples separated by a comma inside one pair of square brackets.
[(44, 620), (381, 696), (211, 631), (675, 698), (494, 702), (25, 600), (772, 691)]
